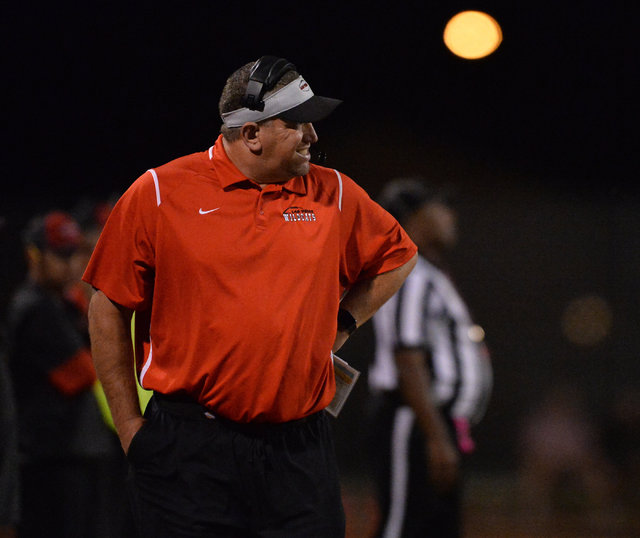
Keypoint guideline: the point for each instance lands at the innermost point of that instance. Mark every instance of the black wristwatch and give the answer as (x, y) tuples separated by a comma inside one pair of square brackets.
[(346, 322)]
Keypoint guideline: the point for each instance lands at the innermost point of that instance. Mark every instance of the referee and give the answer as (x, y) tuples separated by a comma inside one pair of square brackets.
[(430, 378)]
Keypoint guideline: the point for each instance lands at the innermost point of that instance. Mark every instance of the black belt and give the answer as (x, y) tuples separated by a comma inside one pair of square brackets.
[(184, 406)]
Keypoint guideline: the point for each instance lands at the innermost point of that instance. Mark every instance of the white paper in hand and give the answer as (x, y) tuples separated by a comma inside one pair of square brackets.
[(346, 377)]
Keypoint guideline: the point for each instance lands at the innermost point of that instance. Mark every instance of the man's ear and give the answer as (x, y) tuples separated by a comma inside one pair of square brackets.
[(250, 134)]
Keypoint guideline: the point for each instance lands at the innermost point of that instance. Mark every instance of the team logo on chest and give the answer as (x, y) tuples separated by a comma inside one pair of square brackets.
[(297, 214)]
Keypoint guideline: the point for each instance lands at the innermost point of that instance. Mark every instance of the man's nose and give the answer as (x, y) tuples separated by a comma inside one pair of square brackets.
[(309, 133)]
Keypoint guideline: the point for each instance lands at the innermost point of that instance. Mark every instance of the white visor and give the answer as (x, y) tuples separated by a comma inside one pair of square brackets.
[(294, 102)]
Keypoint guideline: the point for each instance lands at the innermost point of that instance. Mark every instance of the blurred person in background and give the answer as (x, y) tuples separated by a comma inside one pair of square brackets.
[(563, 464), (91, 216), (63, 441), (430, 379)]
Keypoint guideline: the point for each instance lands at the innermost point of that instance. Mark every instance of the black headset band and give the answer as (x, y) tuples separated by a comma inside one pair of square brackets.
[(264, 75)]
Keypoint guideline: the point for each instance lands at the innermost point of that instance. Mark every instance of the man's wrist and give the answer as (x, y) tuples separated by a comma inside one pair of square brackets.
[(346, 322)]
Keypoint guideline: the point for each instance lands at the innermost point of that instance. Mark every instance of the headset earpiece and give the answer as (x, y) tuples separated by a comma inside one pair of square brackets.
[(264, 75)]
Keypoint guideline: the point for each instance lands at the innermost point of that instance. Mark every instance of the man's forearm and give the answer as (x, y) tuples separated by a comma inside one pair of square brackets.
[(112, 352), (415, 387), (365, 298)]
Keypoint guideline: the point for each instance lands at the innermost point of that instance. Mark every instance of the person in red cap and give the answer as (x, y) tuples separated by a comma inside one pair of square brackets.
[(62, 438), (247, 266)]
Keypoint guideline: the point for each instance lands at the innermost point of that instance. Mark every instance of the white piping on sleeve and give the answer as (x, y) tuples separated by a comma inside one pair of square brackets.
[(340, 192), (146, 365), (157, 184), (211, 153)]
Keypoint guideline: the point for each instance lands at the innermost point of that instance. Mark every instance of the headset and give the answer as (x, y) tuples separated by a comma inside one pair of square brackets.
[(264, 75)]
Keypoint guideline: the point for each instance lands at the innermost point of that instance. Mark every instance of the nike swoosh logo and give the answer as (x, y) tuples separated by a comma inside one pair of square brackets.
[(202, 212)]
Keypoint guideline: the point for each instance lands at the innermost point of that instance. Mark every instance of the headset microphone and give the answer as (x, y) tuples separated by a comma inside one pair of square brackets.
[(321, 157)]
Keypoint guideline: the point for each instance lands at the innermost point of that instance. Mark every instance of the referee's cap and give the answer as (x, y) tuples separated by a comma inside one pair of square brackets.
[(404, 196), (55, 231)]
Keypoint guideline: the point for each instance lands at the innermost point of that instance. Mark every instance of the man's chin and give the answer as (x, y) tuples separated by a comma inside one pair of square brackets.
[(303, 169)]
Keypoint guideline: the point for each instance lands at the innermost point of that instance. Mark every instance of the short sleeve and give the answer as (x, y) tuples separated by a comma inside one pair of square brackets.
[(122, 265), (372, 241)]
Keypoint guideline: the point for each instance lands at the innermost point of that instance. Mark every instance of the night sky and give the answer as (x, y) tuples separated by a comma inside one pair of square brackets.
[(100, 92)]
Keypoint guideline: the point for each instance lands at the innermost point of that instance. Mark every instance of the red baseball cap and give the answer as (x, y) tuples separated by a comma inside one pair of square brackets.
[(56, 231)]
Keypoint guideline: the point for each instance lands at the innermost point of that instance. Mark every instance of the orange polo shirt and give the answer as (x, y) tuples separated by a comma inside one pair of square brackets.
[(242, 284)]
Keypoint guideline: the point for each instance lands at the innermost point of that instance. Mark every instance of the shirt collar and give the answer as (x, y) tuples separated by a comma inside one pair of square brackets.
[(228, 174)]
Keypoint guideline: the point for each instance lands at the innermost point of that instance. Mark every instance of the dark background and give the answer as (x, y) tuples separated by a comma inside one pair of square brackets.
[(538, 141)]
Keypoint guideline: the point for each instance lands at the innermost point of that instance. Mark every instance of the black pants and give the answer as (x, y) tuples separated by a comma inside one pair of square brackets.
[(74, 498), (410, 505), (193, 476)]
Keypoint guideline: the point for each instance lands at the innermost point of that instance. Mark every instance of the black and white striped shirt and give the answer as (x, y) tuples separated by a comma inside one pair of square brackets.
[(428, 312)]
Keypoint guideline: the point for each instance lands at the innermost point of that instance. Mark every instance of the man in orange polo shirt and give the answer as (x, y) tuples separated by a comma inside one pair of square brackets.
[(247, 267)]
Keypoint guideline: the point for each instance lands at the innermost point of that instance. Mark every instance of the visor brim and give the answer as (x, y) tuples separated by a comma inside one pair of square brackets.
[(314, 109)]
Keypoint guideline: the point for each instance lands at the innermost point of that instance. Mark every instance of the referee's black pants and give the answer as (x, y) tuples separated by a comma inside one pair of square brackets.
[(196, 477), (410, 504)]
